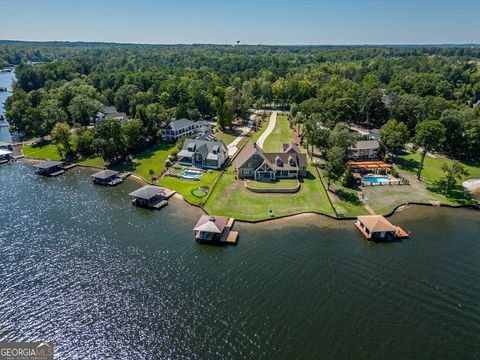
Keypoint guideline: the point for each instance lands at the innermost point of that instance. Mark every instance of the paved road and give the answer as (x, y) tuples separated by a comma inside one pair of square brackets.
[(271, 126)]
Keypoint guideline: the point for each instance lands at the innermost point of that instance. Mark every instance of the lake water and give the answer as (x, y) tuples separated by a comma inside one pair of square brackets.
[(6, 79), (101, 279)]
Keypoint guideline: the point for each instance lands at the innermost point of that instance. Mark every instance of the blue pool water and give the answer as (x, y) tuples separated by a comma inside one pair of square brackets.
[(376, 179), (191, 175)]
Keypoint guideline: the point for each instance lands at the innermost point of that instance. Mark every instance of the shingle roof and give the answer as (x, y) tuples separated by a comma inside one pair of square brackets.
[(376, 223), (179, 124), (366, 144), (204, 147), (211, 224), (292, 151)]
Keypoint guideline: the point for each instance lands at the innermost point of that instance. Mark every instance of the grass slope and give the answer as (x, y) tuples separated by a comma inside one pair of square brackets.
[(230, 198), (43, 150), (281, 134)]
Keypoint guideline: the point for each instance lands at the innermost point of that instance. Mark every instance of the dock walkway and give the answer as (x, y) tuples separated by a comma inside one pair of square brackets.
[(229, 236)]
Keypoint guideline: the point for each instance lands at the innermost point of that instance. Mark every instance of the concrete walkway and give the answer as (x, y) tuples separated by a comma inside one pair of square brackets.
[(271, 126), (232, 147)]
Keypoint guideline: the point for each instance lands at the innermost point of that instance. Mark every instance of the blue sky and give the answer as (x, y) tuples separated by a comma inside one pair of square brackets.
[(250, 21)]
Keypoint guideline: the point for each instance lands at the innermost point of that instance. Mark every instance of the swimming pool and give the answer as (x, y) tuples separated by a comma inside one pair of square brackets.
[(190, 175), (376, 179)]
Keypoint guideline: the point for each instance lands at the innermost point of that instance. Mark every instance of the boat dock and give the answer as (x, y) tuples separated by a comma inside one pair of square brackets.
[(215, 230), (377, 228), (229, 236)]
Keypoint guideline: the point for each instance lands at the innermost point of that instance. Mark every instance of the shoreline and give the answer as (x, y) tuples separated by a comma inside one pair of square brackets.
[(396, 209)]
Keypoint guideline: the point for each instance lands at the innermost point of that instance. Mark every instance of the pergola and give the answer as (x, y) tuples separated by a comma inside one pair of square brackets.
[(370, 166)]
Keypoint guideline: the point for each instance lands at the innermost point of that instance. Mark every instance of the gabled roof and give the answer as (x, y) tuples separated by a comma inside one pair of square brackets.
[(203, 147), (211, 224), (105, 174), (292, 151), (148, 192), (376, 223)]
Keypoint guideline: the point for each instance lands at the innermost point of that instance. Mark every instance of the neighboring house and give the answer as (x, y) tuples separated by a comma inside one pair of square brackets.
[(110, 112), (364, 149), (254, 163), (203, 153), (185, 127)]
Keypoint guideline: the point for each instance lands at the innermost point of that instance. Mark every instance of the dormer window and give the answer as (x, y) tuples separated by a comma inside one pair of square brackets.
[(291, 161), (278, 161)]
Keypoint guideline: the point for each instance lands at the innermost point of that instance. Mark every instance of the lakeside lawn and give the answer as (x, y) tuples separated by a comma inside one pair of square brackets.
[(433, 174), (44, 150), (153, 158), (185, 187), (345, 200), (278, 184), (281, 134), (231, 198)]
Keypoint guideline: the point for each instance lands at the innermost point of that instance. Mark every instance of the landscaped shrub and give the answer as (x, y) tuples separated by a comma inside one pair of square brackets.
[(395, 172), (347, 179), (168, 163)]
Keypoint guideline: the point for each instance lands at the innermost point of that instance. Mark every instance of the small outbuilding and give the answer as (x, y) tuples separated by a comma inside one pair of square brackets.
[(150, 197), (50, 168), (107, 177), (377, 228), (215, 229)]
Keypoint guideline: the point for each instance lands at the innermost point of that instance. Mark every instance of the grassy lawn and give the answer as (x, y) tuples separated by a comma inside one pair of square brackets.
[(93, 161), (433, 174), (278, 184), (42, 150), (185, 187), (230, 198), (227, 136), (153, 158), (281, 134)]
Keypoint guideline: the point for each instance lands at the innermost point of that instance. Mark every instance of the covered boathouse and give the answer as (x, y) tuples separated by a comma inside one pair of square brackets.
[(5, 156), (150, 197), (107, 177), (215, 229), (50, 168), (377, 228)]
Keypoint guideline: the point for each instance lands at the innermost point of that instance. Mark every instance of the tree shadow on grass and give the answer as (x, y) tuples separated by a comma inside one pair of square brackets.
[(40, 144), (346, 196), (131, 166), (407, 164), (456, 193)]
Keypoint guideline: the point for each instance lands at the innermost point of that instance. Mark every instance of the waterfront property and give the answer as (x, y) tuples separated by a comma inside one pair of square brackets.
[(254, 163), (150, 197), (377, 228), (50, 168), (215, 229), (107, 177), (364, 149), (185, 127), (5, 156), (203, 153)]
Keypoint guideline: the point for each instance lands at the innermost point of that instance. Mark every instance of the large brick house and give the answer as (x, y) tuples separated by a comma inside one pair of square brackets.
[(254, 163)]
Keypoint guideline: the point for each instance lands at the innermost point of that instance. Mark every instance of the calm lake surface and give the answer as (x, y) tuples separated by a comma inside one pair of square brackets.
[(81, 267)]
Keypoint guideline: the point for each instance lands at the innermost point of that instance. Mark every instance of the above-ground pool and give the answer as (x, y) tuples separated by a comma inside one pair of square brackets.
[(376, 179), (190, 175)]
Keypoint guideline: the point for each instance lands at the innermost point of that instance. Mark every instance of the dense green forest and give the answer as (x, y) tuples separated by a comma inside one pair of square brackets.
[(325, 84)]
